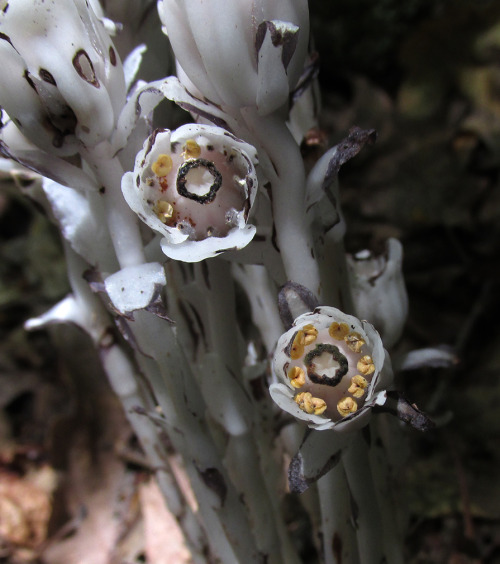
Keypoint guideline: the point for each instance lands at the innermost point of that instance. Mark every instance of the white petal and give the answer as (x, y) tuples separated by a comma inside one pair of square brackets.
[(176, 26), (283, 397), (140, 103), (132, 64)]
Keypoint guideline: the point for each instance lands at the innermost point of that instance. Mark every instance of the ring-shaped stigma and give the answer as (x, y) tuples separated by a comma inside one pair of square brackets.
[(191, 164), (340, 371)]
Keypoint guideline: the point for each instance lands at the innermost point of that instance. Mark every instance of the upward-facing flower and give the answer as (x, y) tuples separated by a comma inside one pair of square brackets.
[(239, 53), (332, 369), (195, 186), (62, 81)]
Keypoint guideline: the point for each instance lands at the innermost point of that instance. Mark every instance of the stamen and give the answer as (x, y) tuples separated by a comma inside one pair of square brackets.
[(163, 210), (297, 349), (191, 150), (354, 341), (297, 376), (365, 365), (310, 333), (309, 404), (162, 166), (346, 406), (338, 330), (358, 386)]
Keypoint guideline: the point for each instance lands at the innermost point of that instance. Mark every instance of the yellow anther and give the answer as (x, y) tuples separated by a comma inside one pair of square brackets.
[(365, 365), (310, 333), (297, 376), (309, 404), (191, 149), (163, 165), (346, 406), (163, 210), (354, 341), (298, 344), (338, 330), (358, 386)]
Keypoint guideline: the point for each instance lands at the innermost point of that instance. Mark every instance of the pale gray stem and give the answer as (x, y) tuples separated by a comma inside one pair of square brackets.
[(245, 451), (333, 267), (284, 168), (122, 221), (386, 435), (368, 519), (262, 295), (338, 534), (168, 370), (125, 383)]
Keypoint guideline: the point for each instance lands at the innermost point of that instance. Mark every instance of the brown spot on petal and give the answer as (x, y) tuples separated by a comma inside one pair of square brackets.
[(112, 56), (29, 80), (46, 76), (84, 67), (5, 37)]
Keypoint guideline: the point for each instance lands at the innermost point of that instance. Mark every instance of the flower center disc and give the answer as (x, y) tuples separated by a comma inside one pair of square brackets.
[(326, 365), (198, 180)]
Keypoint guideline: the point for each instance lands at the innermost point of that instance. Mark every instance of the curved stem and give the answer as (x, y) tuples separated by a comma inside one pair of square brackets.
[(284, 169), (333, 266)]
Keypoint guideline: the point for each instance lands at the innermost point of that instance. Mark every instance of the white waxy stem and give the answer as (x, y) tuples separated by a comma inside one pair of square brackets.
[(196, 187), (329, 368)]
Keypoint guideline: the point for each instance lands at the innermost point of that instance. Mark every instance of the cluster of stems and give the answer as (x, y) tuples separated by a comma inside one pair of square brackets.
[(187, 342)]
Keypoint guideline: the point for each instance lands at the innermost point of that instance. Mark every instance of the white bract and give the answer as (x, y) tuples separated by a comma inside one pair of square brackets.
[(62, 78), (332, 370), (195, 186), (240, 53)]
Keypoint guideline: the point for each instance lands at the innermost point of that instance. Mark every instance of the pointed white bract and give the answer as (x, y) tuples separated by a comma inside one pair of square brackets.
[(62, 80), (195, 186), (135, 287), (332, 369), (241, 53)]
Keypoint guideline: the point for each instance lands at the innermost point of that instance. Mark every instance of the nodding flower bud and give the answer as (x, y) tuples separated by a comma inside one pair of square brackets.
[(379, 291), (329, 367), (62, 80), (196, 186), (239, 53)]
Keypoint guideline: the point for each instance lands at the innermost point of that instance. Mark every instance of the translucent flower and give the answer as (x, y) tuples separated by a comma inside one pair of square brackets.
[(332, 369), (62, 78), (239, 53), (195, 186)]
